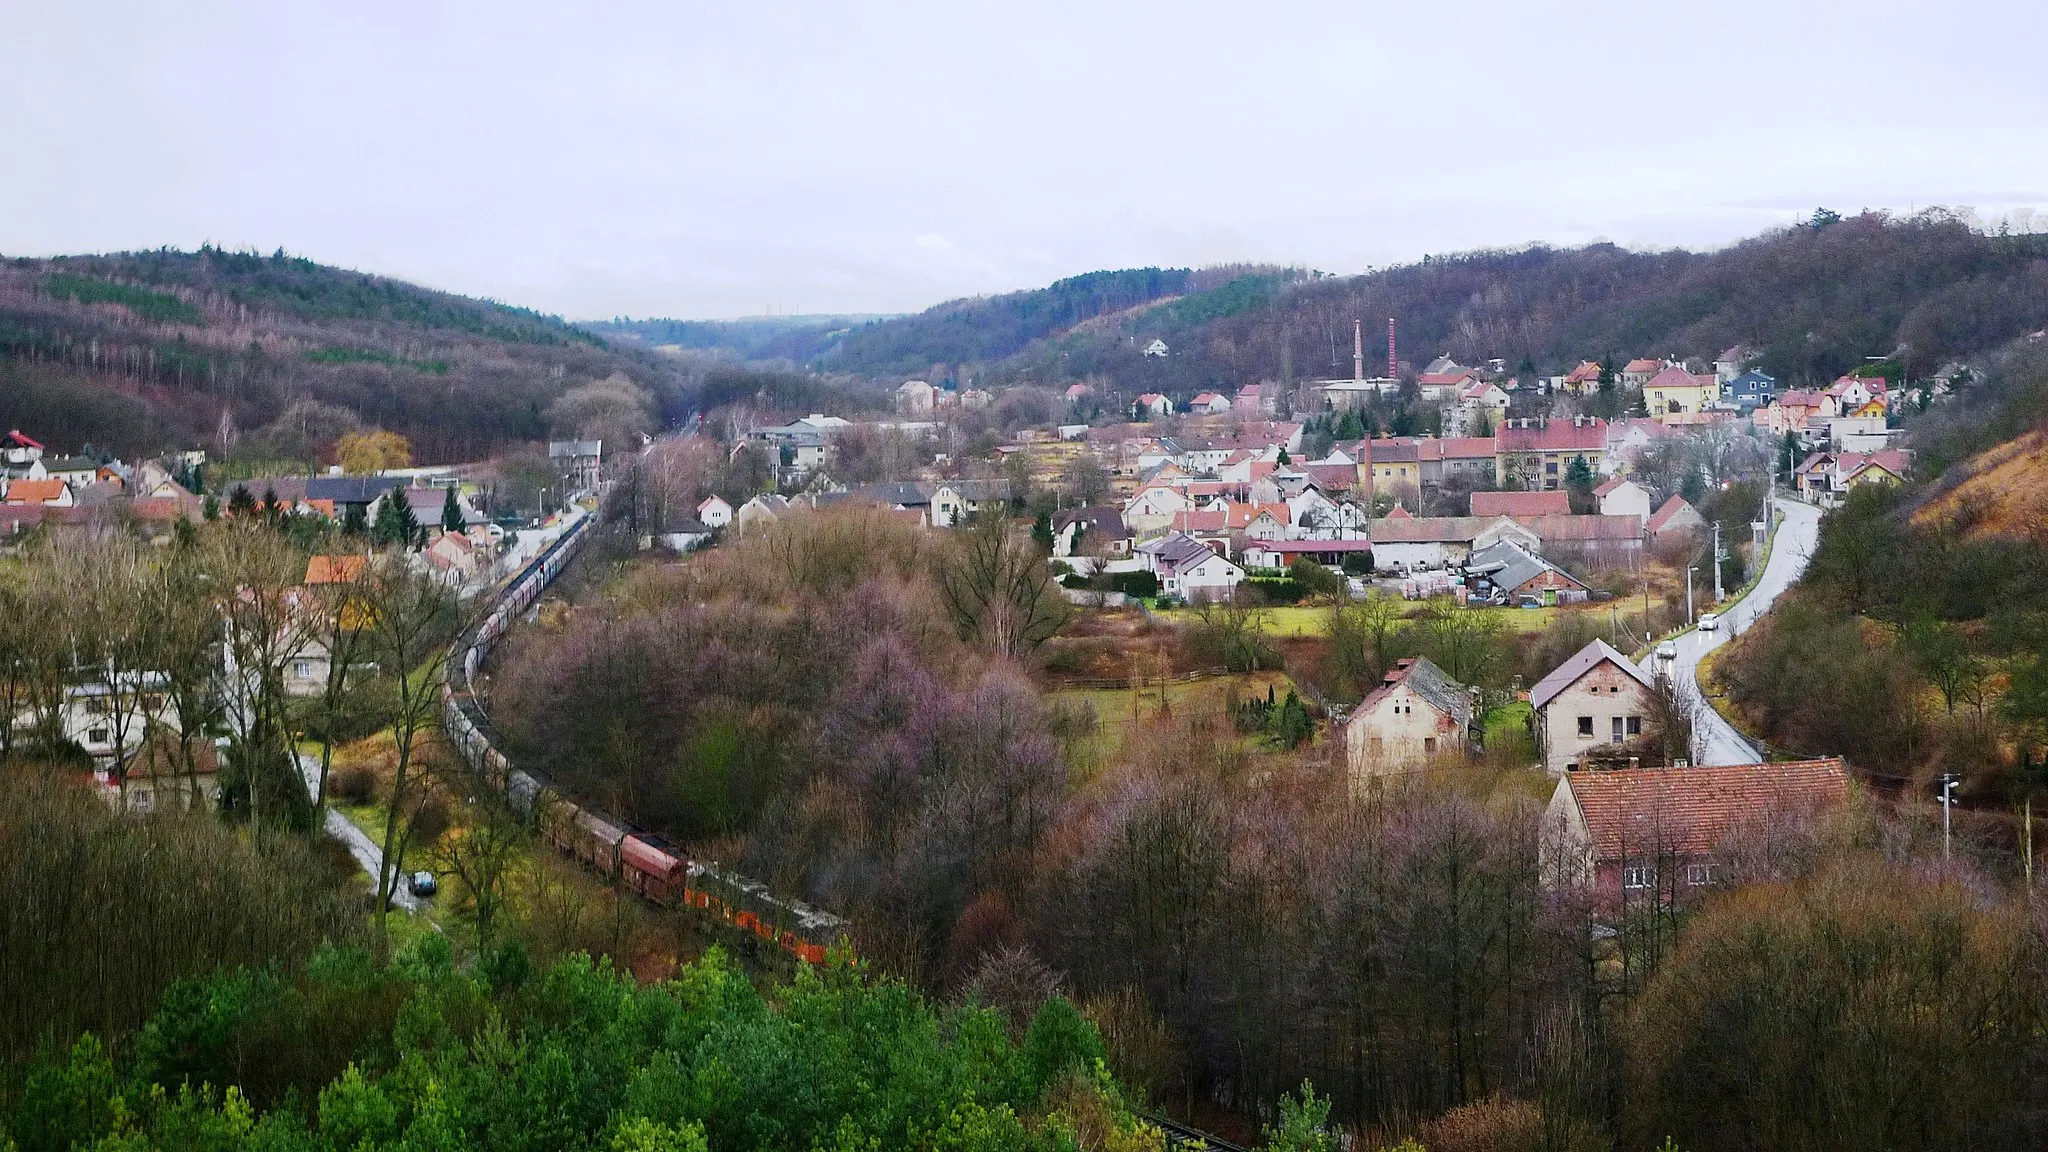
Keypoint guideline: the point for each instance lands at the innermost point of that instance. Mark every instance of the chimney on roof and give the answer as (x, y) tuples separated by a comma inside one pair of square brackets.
[(1635, 762), (1358, 351)]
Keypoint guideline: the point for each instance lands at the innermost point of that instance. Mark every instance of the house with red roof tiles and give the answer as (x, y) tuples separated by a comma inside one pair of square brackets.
[(1674, 518), (1674, 390), (1537, 453), (1637, 373), (52, 493), (1584, 378), (1665, 835), (1213, 403)]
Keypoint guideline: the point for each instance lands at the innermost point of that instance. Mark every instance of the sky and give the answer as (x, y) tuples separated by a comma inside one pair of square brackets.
[(698, 160)]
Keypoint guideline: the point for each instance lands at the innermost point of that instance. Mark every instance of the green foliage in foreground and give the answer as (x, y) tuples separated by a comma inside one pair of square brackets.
[(420, 1055)]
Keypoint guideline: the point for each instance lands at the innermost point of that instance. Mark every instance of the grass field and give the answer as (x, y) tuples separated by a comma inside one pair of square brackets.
[(1119, 711)]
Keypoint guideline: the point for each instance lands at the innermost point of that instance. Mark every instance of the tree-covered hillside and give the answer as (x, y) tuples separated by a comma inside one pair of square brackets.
[(138, 351), (1813, 301)]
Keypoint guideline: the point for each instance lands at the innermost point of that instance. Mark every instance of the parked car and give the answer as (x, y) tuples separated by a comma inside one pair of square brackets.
[(1667, 651), (422, 884), (1709, 622)]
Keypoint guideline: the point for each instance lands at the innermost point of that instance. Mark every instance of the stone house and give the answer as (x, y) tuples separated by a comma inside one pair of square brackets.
[(1415, 716)]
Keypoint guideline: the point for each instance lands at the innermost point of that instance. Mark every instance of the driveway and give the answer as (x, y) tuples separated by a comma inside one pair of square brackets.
[(1715, 741), (360, 846)]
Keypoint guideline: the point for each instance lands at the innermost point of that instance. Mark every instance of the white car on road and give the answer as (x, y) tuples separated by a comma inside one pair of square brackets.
[(1710, 622)]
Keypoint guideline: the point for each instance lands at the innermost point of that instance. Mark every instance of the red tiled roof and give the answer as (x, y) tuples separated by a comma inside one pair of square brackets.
[(35, 491), (1567, 528), (334, 569), (15, 437), (1332, 477), (1642, 366), (1586, 373), (1557, 436), (1610, 486), (1663, 515), (1440, 379), (1558, 502), (1639, 811)]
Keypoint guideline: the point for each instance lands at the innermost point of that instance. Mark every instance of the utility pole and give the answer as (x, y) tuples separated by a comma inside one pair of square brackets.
[(1688, 593), (1717, 561), (1948, 786)]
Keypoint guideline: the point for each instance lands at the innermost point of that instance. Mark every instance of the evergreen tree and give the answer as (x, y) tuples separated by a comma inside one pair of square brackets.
[(387, 529), (353, 522), (241, 503), (451, 513), (210, 508), (409, 533)]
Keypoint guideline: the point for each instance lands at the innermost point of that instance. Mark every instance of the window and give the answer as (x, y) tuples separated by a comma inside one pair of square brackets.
[(96, 736), (302, 670), (1379, 746), (1635, 725), (1700, 875), (1616, 735), (1429, 745), (1585, 725), (1637, 876)]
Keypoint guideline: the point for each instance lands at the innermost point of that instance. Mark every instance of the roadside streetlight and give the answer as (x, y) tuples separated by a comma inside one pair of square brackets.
[(1688, 594), (1948, 787)]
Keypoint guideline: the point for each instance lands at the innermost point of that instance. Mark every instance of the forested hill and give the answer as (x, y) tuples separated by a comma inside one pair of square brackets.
[(140, 351), (978, 330), (1815, 300)]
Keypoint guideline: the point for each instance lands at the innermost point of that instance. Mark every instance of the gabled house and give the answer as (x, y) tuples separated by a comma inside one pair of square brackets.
[(915, 397), (1674, 390), (1731, 362), (1095, 529), (1623, 497), (1517, 573), (1749, 390), (714, 512), (1597, 697), (1663, 835), (1637, 373), (77, 471), (1415, 716), (1676, 517), (1153, 404), (1475, 410), (1188, 568), (1584, 378), (1211, 403), (17, 449), (1403, 543), (759, 512), (52, 493)]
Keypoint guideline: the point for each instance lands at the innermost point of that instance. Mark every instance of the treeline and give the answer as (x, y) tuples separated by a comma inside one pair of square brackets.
[(140, 352), (349, 1055), (1812, 301)]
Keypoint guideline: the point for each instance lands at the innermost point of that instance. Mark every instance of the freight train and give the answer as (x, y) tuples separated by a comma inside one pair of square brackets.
[(649, 865)]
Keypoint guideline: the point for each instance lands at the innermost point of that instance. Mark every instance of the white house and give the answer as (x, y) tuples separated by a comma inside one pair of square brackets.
[(714, 512), (1188, 568), (1623, 497), (1156, 348), (1598, 697), (1153, 404), (1213, 403), (1415, 716), (1154, 507)]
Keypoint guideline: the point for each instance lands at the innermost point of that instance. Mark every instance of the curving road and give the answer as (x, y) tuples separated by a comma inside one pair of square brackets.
[(1715, 741)]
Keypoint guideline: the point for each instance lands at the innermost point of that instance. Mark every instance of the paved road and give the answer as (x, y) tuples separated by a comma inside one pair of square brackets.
[(1715, 741), (360, 846)]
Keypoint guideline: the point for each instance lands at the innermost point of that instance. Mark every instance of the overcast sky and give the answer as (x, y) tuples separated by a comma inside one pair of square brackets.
[(678, 158)]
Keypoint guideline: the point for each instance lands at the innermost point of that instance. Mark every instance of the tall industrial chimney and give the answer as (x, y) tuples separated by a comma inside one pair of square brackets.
[(1358, 350), (1393, 365)]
